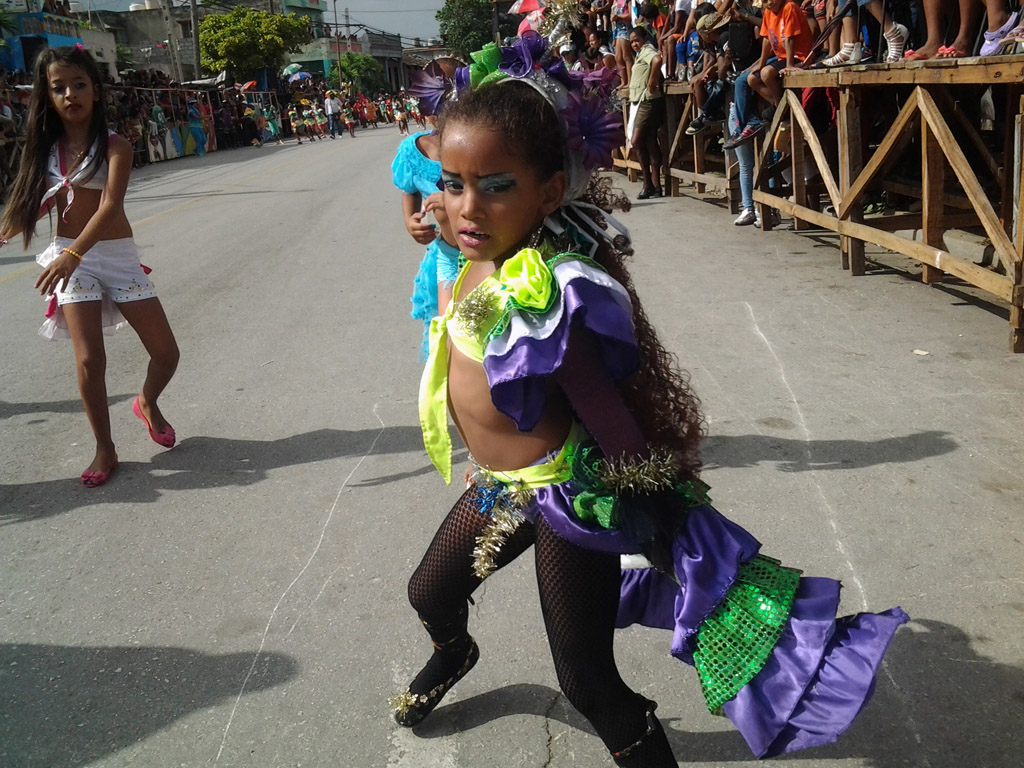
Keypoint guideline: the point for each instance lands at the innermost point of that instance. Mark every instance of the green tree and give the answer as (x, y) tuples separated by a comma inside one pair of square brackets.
[(364, 73), (465, 25), (245, 41)]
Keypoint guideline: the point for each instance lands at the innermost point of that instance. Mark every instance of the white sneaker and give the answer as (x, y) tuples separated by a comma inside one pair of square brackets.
[(896, 40), (746, 218)]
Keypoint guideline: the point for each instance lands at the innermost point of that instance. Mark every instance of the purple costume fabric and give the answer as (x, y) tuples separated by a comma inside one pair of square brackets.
[(822, 670)]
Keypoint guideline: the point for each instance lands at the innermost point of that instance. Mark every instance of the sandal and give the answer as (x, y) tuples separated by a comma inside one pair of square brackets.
[(951, 52), (994, 40), (164, 437), (91, 479)]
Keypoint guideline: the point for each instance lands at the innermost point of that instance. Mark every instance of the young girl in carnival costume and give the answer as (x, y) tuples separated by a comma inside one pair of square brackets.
[(91, 271), (416, 170), (585, 438)]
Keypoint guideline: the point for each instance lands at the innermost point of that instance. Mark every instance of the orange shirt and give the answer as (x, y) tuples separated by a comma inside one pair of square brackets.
[(789, 22)]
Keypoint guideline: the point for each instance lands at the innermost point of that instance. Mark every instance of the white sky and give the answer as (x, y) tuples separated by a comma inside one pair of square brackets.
[(412, 18)]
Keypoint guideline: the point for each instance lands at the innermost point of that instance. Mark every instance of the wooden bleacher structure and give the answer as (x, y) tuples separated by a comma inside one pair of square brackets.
[(959, 178)]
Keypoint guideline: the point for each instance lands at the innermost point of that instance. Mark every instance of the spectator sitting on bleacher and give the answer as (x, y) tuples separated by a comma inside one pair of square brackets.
[(711, 86), (895, 35), (786, 43)]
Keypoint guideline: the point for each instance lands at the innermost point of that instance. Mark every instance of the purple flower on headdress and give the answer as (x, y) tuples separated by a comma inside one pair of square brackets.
[(572, 80), (523, 56), (591, 130), (461, 80), (602, 81), (431, 90)]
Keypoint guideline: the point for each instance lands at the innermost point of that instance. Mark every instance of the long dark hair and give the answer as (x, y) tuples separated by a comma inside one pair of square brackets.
[(658, 394), (42, 129)]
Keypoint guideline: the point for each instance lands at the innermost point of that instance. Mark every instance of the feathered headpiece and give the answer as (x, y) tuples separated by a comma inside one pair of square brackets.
[(590, 131)]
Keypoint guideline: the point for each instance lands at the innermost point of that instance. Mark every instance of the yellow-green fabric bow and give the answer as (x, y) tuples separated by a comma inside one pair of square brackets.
[(434, 400), (527, 279), (484, 67)]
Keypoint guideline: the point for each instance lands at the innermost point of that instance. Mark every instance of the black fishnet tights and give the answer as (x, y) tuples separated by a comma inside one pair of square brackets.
[(579, 594)]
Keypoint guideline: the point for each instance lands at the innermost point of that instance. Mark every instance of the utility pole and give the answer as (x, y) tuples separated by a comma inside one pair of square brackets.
[(337, 39), (194, 8), (172, 45)]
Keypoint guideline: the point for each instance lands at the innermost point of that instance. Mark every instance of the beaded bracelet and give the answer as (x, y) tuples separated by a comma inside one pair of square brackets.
[(76, 254)]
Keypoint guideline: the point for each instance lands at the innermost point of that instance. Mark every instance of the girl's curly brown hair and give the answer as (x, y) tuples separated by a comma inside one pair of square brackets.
[(658, 393)]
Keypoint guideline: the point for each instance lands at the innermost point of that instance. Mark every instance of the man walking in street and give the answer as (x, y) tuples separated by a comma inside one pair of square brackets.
[(332, 106)]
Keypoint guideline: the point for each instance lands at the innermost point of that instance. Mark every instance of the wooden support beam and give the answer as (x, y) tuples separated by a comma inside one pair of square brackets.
[(969, 182), (911, 189), (893, 222), (714, 183), (969, 71), (1017, 130), (1016, 330), (762, 159), (700, 165), (850, 164), (949, 108), (898, 135), (797, 111), (998, 285), (796, 152), (933, 180)]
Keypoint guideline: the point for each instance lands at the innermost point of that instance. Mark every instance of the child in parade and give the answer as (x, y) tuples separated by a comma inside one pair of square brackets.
[(91, 270), (322, 122), (416, 171), (403, 123), (350, 120), (298, 124), (585, 437)]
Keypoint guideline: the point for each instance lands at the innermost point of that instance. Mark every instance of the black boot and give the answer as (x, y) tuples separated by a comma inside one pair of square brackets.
[(455, 653), (651, 750)]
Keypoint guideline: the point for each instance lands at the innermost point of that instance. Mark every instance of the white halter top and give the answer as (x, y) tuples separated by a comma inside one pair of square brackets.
[(60, 178)]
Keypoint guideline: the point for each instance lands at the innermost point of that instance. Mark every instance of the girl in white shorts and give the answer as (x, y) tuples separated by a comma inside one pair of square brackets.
[(91, 271)]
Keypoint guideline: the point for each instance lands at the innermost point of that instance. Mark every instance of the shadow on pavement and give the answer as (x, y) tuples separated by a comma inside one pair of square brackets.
[(956, 708), (64, 706), (5, 260), (796, 455), (201, 462), (8, 409)]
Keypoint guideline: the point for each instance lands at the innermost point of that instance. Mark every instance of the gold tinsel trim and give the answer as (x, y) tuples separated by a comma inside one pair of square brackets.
[(559, 17), (406, 700), (660, 472), (475, 310), (503, 524)]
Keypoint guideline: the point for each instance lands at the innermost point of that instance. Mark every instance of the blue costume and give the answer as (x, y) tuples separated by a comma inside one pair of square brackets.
[(415, 173)]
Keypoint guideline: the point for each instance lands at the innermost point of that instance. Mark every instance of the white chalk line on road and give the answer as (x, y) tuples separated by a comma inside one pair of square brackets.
[(312, 556), (911, 723), (807, 449)]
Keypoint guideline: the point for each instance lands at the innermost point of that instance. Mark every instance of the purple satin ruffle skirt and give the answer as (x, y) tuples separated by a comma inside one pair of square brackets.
[(821, 672)]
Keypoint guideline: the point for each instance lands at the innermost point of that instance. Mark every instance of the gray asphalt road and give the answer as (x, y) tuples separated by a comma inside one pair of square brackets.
[(239, 600)]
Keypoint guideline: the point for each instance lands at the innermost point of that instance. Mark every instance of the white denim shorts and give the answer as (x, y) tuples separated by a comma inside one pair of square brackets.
[(110, 268)]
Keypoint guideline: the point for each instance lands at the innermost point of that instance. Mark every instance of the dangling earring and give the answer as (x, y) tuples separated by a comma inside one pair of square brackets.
[(536, 237)]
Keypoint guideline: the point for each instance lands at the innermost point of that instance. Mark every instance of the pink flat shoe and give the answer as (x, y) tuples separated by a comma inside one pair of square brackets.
[(166, 438), (92, 479)]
